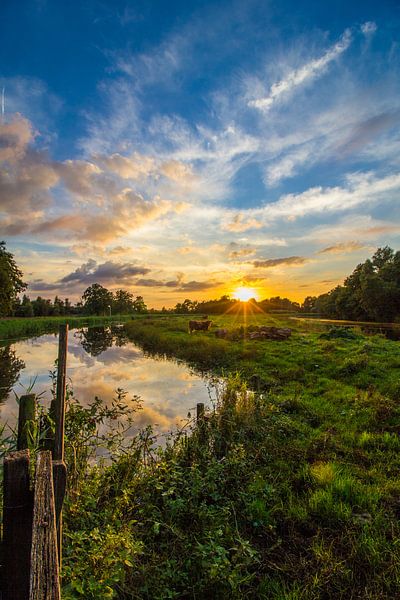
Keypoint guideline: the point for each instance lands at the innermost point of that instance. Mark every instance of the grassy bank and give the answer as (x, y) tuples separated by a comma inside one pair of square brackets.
[(14, 328), (289, 493)]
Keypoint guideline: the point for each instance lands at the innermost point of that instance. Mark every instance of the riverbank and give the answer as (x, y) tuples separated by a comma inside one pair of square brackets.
[(288, 493), (21, 327), (291, 493)]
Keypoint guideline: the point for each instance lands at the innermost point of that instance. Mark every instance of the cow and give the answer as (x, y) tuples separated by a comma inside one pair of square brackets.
[(199, 326)]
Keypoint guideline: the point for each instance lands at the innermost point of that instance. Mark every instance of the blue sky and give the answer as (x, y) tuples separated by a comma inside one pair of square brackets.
[(182, 149)]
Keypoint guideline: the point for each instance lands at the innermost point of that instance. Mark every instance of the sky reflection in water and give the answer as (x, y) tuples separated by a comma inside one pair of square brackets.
[(100, 360)]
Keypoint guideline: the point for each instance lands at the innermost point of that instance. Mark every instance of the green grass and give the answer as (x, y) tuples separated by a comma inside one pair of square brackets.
[(14, 328), (288, 493)]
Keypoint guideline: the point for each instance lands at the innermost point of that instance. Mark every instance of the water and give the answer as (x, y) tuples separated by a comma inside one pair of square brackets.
[(100, 360), (390, 330)]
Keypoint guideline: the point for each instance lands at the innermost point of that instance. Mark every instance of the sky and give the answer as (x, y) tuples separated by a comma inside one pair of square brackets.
[(181, 149)]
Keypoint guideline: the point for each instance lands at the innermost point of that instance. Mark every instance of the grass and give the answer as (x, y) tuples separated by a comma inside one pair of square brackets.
[(13, 328), (289, 492)]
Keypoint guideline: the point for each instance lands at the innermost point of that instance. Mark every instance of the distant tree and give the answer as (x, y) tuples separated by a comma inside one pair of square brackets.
[(23, 308), (123, 302), (185, 307), (42, 307), (97, 300), (309, 304), (11, 282), (67, 306), (139, 305), (370, 293)]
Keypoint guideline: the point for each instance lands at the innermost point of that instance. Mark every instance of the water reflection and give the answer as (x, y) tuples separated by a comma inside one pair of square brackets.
[(102, 359), (10, 367)]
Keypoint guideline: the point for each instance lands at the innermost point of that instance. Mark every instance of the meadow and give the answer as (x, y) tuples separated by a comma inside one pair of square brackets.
[(288, 490)]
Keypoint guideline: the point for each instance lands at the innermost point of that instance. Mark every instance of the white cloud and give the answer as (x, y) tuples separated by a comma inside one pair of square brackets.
[(308, 72), (369, 28)]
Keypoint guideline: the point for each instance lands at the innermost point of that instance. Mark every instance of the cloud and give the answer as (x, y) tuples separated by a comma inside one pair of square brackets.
[(198, 286), (368, 28), (178, 285), (342, 248), (235, 251), (135, 166), (108, 272), (362, 189), (269, 263), (240, 223), (14, 138), (308, 72), (366, 131)]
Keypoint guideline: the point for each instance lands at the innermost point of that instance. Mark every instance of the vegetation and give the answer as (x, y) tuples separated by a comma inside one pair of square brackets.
[(287, 492), (10, 280), (225, 304), (11, 329), (370, 293)]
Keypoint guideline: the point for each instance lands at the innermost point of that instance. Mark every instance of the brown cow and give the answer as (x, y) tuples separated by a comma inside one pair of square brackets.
[(199, 326)]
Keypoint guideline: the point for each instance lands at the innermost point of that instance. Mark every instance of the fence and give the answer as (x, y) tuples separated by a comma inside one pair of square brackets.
[(32, 512)]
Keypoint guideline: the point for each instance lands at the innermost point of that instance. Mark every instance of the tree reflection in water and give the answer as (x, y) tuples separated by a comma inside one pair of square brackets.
[(96, 340), (10, 367)]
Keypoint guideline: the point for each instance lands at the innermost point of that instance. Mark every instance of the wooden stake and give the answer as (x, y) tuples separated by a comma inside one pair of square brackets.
[(60, 483), (200, 412), (58, 453), (44, 580), (59, 418), (26, 421), (17, 526)]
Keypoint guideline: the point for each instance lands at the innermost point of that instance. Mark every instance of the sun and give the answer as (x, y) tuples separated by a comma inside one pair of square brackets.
[(244, 294)]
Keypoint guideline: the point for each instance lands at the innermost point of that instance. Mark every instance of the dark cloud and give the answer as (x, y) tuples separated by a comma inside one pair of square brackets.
[(198, 286), (149, 283), (108, 272), (275, 262), (179, 285)]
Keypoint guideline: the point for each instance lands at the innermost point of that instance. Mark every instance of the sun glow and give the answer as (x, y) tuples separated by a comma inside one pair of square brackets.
[(244, 294)]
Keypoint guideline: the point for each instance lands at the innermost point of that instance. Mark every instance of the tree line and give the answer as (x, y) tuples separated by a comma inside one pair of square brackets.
[(96, 300), (370, 293)]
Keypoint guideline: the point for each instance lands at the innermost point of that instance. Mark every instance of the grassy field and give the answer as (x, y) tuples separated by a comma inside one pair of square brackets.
[(290, 492), (13, 328)]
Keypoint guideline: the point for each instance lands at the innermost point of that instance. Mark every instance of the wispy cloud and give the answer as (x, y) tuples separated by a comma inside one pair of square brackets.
[(269, 263), (343, 248), (305, 74)]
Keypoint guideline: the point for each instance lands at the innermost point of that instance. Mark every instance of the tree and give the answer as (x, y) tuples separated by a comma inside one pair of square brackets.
[(123, 302), (97, 300), (10, 281), (139, 305), (370, 293)]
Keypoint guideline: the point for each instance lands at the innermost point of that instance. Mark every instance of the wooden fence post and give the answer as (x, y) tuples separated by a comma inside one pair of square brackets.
[(199, 412), (17, 526), (26, 421), (59, 471), (58, 453), (44, 579)]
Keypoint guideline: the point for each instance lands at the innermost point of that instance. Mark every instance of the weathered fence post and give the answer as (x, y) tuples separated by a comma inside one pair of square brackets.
[(26, 421), (59, 468), (17, 526), (44, 579), (200, 412), (58, 453)]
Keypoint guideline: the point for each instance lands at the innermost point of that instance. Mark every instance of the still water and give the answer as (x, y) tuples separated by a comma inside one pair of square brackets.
[(100, 360)]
